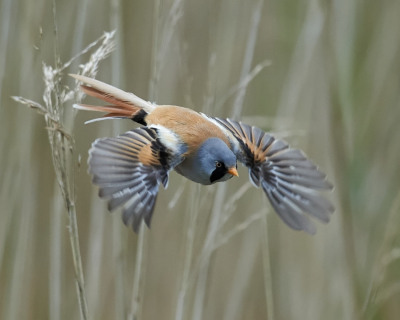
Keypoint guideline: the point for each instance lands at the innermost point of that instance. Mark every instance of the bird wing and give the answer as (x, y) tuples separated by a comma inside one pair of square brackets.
[(129, 168), (289, 179)]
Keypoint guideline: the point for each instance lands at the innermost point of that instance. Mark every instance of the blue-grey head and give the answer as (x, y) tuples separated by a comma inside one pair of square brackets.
[(215, 162)]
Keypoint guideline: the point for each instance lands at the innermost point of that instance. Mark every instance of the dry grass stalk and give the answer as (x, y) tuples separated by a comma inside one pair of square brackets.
[(194, 209), (244, 82), (22, 249), (206, 252), (269, 297), (224, 238), (248, 59), (62, 142), (385, 256), (56, 260)]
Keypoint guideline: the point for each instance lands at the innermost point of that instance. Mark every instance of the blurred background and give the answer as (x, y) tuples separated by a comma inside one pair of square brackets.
[(324, 75)]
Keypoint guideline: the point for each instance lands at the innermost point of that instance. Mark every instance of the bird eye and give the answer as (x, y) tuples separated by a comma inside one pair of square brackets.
[(218, 164)]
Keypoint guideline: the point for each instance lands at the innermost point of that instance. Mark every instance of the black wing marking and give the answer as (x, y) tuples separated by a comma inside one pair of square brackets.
[(289, 179), (128, 170)]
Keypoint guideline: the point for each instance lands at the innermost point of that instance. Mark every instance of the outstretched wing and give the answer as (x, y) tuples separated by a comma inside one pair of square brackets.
[(128, 169), (289, 179)]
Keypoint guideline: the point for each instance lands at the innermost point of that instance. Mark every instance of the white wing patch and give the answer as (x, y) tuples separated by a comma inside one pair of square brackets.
[(167, 137)]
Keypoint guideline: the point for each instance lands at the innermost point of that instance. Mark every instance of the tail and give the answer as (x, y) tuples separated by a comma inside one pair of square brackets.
[(122, 104)]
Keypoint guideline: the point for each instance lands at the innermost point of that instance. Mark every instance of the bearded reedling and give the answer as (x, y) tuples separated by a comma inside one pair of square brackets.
[(129, 168)]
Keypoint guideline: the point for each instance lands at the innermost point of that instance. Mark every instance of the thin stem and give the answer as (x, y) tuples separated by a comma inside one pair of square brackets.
[(248, 57), (56, 257), (243, 83), (207, 251), (194, 210), (56, 56), (138, 280), (230, 204), (224, 238), (267, 269), (21, 257), (59, 152), (4, 36), (154, 65), (76, 254), (178, 194), (379, 270), (118, 248)]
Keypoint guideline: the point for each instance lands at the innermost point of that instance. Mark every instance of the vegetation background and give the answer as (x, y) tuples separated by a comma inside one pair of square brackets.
[(322, 74)]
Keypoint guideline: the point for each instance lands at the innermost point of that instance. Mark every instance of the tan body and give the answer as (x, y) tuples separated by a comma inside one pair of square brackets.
[(192, 128)]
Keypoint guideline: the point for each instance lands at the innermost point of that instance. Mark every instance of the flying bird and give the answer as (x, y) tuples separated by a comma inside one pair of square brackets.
[(129, 168)]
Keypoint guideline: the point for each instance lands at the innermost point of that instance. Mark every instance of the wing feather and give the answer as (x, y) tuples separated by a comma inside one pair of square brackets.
[(289, 179), (129, 169)]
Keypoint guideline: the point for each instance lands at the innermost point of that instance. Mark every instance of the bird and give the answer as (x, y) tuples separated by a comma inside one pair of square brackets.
[(128, 169)]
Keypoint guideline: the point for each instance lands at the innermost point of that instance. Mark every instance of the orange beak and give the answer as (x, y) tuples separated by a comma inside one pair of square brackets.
[(233, 171)]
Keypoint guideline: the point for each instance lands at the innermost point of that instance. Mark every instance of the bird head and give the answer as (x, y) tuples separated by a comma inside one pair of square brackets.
[(216, 161)]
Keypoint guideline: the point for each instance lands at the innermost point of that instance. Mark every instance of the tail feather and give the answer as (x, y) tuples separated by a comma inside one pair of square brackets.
[(116, 93), (110, 109), (113, 112), (108, 98), (122, 104), (101, 119)]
